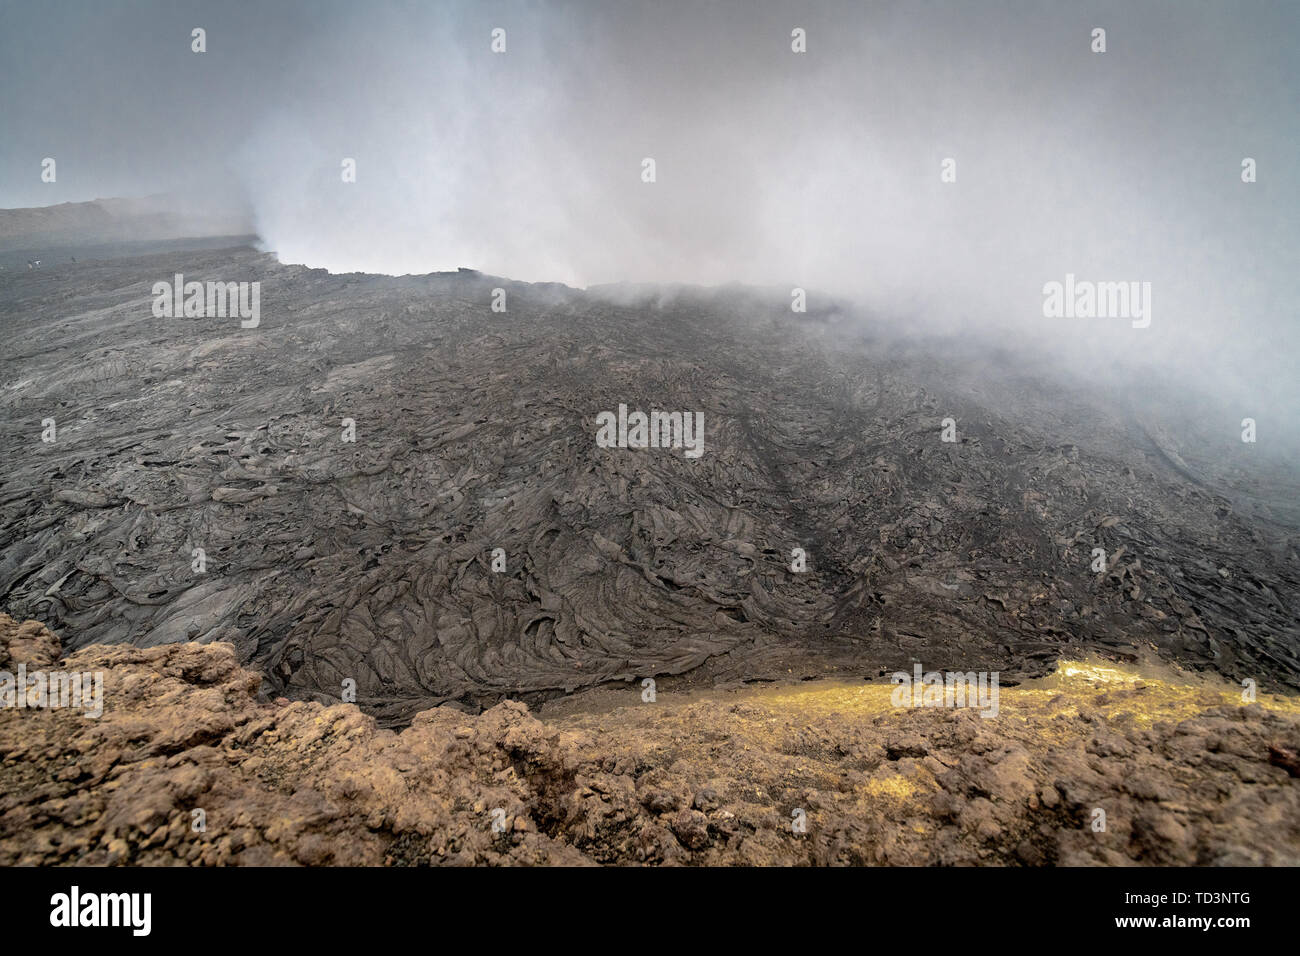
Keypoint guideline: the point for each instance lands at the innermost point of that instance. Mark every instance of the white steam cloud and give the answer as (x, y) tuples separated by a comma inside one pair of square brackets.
[(820, 169)]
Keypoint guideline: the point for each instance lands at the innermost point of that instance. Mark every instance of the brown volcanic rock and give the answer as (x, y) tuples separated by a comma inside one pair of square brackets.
[(709, 781), (29, 643), (299, 783)]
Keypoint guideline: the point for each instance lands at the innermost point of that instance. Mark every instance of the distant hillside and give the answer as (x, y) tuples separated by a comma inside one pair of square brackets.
[(106, 220)]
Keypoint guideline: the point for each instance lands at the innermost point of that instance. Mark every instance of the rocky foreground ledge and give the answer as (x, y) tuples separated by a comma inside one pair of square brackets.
[(1184, 774)]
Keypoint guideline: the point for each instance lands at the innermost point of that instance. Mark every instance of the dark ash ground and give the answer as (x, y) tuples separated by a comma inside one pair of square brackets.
[(371, 561)]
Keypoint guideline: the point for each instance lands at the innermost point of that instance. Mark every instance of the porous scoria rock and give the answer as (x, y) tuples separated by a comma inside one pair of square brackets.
[(183, 730), (1183, 776)]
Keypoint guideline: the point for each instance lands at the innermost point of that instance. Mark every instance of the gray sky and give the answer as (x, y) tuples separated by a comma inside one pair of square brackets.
[(820, 169)]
